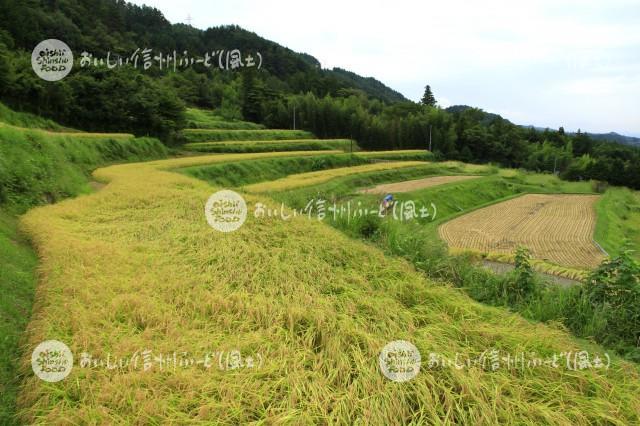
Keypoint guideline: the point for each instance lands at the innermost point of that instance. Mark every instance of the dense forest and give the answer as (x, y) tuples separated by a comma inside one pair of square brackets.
[(330, 103)]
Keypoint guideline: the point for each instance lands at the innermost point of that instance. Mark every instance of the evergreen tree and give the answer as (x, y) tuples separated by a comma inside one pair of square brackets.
[(428, 98)]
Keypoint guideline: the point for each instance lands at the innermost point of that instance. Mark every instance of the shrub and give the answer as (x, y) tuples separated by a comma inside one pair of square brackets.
[(368, 226), (599, 186), (613, 294), (521, 282)]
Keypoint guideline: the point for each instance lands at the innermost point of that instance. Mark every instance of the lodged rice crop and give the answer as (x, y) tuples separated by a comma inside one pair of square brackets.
[(135, 268)]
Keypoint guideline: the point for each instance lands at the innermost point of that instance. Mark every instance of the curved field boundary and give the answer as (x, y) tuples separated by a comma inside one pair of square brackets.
[(414, 185), (314, 178), (135, 267), (556, 227)]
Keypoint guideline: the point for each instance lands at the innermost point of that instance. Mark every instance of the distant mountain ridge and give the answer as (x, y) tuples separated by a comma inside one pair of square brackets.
[(610, 137), (616, 137)]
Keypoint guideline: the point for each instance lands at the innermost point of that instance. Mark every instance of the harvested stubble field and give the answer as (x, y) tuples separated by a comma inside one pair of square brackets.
[(556, 227), (135, 266), (414, 185)]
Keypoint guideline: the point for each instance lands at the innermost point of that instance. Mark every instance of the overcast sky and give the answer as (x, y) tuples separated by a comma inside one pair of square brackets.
[(571, 63)]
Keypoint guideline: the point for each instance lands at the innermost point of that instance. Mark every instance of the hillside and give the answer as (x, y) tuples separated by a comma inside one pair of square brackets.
[(121, 28), (331, 104)]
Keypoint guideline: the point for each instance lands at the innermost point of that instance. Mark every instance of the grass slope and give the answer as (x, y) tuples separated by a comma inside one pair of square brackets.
[(236, 174), (271, 146), (38, 166), (22, 119), (212, 135), (17, 284), (618, 226), (403, 154), (203, 119), (315, 304)]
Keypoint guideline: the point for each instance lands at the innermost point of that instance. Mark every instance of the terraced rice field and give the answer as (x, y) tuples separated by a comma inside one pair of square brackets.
[(135, 267), (413, 185), (556, 228)]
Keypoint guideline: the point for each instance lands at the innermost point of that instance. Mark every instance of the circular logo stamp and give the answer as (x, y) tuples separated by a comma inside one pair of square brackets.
[(400, 361), (52, 59), (226, 211), (52, 361)]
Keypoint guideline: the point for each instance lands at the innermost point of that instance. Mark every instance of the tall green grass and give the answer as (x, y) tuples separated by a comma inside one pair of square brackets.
[(212, 135), (23, 119), (38, 167), (18, 264)]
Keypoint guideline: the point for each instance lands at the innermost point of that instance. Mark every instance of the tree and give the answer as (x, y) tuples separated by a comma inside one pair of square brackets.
[(252, 95), (6, 73), (428, 98)]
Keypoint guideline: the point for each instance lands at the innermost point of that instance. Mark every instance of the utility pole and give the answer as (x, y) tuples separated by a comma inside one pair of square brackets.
[(429, 137), (351, 150)]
